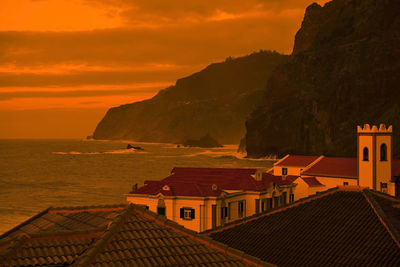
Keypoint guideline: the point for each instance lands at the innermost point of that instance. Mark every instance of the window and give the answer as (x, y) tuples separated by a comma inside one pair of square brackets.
[(187, 213), (276, 202), (384, 187), (283, 198), (284, 171), (291, 198), (229, 210), (241, 208), (345, 183), (365, 154), (383, 152), (269, 203), (161, 211), (257, 203), (224, 212)]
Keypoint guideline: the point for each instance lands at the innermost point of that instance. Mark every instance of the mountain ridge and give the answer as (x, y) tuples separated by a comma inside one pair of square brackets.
[(215, 101)]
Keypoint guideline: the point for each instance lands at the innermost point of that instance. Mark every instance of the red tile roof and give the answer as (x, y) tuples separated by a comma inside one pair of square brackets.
[(396, 167), (212, 171), (297, 161), (312, 181), (60, 219), (199, 182), (336, 167), (136, 237), (324, 239)]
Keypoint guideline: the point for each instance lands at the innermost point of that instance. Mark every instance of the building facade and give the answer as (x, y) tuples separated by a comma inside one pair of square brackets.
[(374, 166), (204, 198)]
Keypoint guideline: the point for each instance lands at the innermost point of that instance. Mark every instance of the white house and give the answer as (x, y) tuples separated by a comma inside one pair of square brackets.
[(204, 198)]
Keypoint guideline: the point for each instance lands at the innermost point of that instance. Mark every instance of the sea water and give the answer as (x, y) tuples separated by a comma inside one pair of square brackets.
[(37, 174)]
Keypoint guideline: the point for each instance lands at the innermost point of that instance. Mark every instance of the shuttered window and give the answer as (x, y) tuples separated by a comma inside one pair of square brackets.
[(224, 212), (187, 213), (241, 208)]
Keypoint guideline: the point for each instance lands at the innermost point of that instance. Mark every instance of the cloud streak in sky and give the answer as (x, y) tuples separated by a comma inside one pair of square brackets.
[(102, 53)]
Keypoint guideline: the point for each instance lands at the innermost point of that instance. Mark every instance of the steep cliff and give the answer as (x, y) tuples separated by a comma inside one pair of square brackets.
[(344, 71), (214, 101)]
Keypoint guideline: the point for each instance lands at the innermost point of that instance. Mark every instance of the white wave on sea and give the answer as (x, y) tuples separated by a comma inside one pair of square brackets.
[(118, 151), (230, 154), (225, 152)]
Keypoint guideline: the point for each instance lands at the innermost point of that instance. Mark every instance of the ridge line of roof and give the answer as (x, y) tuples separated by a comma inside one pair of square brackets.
[(329, 176), (382, 217), (31, 219), (282, 159), (214, 168), (380, 194), (67, 233), (312, 164), (205, 240), (87, 256), (84, 208), (273, 211)]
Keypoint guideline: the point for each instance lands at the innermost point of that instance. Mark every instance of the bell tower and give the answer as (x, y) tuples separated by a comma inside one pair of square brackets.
[(374, 155)]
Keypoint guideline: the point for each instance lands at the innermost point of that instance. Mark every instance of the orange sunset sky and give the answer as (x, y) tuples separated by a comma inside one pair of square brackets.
[(63, 63)]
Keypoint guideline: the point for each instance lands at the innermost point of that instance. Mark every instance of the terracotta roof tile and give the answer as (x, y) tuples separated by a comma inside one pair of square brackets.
[(212, 171), (297, 161), (338, 228), (312, 181), (136, 237), (64, 219), (336, 167), (396, 167), (199, 182), (57, 250)]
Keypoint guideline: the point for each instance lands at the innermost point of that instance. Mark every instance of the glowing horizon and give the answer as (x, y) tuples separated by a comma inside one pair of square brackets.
[(95, 54)]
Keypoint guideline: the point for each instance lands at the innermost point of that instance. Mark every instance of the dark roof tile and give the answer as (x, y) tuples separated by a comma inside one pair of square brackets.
[(65, 219), (312, 181), (336, 167), (339, 228), (135, 238), (396, 167), (200, 181)]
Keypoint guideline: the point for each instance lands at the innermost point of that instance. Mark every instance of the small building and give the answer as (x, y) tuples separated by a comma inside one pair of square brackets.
[(374, 166), (204, 198)]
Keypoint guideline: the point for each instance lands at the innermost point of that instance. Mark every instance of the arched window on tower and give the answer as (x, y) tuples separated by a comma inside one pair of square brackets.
[(383, 152), (365, 154)]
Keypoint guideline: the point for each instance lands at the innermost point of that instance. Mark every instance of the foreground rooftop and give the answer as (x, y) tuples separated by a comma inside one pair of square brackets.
[(343, 226), (111, 236)]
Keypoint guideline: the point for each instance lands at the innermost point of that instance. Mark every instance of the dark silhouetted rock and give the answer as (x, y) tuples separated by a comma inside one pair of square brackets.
[(344, 72), (206, 141), (216, 100), (129, 146)]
